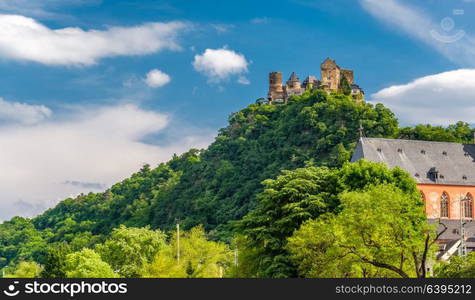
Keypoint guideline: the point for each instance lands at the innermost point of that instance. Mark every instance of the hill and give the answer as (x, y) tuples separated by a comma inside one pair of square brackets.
[(219, 184)]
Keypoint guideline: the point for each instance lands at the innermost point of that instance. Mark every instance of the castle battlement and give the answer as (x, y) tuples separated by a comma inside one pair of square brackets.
[(333, 78)]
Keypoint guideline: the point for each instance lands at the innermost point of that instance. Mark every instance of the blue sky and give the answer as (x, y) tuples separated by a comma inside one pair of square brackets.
[(78, 112)]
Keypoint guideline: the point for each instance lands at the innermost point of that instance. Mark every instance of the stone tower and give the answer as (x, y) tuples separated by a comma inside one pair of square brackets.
[(331, 74), (293, 83), (276, 90)]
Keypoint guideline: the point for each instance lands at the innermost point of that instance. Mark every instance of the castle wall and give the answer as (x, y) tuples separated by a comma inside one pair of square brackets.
[(349, 75)]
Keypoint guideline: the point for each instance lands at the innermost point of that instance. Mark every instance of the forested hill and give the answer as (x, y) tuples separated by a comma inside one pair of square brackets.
[(217, 185)]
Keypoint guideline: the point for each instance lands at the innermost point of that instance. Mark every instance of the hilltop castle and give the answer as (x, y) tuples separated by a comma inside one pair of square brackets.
[(332, 79)]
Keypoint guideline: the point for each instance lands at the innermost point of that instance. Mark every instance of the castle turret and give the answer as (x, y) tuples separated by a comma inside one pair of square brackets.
[(293, 82), (276, 90)]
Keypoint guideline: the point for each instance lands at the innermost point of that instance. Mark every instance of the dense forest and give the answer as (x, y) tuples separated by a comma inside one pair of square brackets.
[(273, 176)]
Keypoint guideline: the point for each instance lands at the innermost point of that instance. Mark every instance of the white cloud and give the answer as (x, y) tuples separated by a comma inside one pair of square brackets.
[(220, 64), (22, 113), (441, 99), (223, 28), (24, 38), (243, 80), (42, 8), (156, 78), (454, 43), (261, 20), (92, 148)]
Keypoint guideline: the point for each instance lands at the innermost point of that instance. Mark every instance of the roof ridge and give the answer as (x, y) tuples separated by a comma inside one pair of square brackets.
[(413, 141)]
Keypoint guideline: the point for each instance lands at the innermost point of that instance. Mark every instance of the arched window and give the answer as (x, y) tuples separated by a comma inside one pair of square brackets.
[(444, 205), (467, 206)]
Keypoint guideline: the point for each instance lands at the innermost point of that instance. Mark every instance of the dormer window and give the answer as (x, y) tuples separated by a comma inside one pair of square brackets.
[(444, 153), (433, 174), (379, 150), (464, 177), (399, 150)]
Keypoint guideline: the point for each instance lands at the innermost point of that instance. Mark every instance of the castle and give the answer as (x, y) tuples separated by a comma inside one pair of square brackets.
[(332, 79)]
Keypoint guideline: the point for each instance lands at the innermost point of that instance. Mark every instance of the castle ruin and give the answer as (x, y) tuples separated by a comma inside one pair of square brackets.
[(332, 80)]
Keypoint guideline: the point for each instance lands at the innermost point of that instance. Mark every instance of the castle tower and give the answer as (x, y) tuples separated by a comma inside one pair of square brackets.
[(293, 83), (276, 90), (331, 74)]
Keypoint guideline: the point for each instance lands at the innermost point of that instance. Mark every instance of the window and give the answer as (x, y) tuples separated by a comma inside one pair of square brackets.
[(423, 151), (444, 153), (444, 205), (467, 206)]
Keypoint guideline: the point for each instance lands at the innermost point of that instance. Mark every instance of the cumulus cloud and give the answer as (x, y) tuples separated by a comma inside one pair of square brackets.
[(220, 64), (454, 43), (156, 78), (91, 148), (22, 113), (438, 99), (24, 38)]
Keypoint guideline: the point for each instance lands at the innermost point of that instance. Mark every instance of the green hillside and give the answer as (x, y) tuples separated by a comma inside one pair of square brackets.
[(219, 184)]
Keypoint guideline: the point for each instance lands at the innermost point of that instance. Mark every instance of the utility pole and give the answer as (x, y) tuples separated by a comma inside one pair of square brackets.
[(178, 242), (236, 256), (462, 247), (361, 130)]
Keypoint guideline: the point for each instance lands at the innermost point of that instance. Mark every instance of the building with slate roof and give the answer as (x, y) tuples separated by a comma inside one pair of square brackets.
[(331, 78), (445, 176)]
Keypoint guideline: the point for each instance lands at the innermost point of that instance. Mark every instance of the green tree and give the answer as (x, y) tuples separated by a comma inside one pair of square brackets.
[(54, 266), (21, 241), (26, 269), (300, 195), (460, 132), (128, 250), (286, 202), (87, 264), (457, 267), (381, 232), (199, 258)]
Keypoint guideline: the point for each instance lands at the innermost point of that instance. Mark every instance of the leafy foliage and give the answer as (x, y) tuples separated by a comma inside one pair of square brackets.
[(457, 133), (458, 267), (87, 264), (381, 232), (199, 258), (55, 263), (26, 269), (128, 250), (303, 194)]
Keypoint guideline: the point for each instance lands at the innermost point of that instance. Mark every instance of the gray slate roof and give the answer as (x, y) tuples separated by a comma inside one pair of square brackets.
[(454, 162), (453, 229)]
